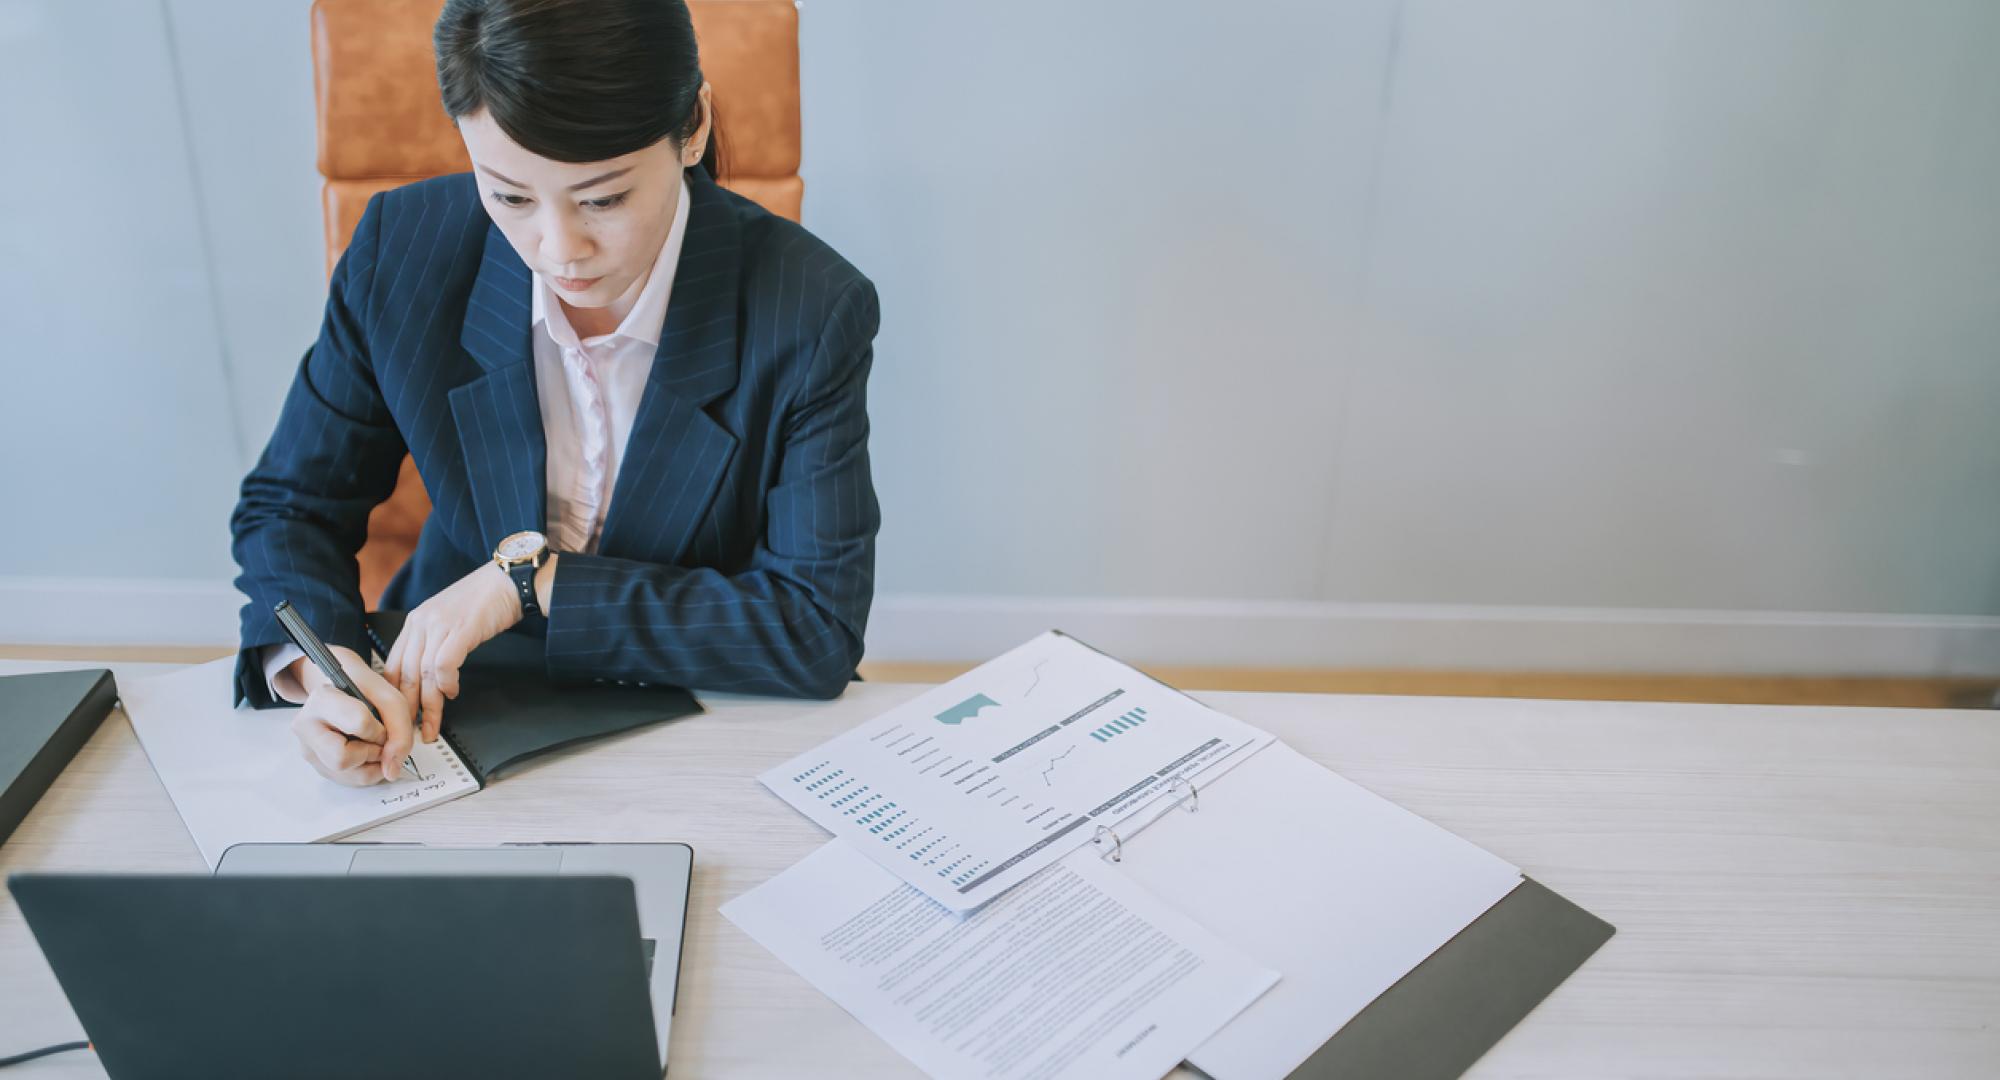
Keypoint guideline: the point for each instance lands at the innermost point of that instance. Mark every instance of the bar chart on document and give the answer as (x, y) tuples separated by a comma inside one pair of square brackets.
[(976, 784)]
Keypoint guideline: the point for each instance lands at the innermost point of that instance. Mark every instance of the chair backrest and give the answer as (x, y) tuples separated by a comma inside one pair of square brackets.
[(381, 125)]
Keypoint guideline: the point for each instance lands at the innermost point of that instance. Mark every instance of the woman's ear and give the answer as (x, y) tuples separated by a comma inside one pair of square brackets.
[(697, 144)]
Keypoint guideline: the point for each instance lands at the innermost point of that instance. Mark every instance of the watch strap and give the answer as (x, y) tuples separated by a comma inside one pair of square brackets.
[(523, 574)]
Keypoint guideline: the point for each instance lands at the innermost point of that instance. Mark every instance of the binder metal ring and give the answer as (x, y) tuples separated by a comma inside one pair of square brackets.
[(1181, 792)]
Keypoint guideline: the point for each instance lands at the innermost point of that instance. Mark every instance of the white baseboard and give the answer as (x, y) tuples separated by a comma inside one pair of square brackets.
[(1215, 633)]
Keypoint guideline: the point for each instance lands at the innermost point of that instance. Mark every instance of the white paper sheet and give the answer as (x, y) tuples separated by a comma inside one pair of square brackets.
[(1339, 889), (976, 784), (235, 775), (1073, 974)]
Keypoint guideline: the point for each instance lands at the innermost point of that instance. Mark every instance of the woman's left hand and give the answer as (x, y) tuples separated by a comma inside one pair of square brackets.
[(442, 632)]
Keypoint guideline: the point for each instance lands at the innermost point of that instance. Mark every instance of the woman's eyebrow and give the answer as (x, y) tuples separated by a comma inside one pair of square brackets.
[(500, 178), (600, 179)]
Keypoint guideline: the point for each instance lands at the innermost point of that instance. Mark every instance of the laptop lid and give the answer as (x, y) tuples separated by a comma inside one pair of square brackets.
[(661, 874), (422, 976)]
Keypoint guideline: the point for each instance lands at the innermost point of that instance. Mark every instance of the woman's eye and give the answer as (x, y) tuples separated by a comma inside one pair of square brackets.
[(606, 202), (511, 201)]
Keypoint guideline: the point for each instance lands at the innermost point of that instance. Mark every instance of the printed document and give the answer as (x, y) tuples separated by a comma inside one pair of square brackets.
[(1075, 973), (975, 785)]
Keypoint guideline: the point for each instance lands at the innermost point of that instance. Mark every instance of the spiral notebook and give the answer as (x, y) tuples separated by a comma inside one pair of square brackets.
[(508, 713), (236, 775)]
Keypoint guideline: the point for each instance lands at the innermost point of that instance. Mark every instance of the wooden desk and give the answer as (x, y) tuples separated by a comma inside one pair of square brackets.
[(1799, 892)]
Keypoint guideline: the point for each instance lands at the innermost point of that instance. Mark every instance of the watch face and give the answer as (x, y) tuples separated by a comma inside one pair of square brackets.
[(521, 546)]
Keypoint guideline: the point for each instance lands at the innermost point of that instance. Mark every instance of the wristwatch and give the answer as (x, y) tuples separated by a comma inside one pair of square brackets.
[(520, 555)]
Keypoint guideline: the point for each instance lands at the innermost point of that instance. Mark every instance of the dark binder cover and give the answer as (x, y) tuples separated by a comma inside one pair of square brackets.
[(1449, 1010), (45, 718), (508, 712)]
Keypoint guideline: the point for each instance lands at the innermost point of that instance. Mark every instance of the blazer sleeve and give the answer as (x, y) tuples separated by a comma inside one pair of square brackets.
[(302, 513), (792, 621)]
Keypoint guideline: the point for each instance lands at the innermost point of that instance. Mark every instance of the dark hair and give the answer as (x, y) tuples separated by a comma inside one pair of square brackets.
[(575, 80)]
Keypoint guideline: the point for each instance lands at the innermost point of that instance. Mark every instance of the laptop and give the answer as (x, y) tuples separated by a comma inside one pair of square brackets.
[(516, 961)]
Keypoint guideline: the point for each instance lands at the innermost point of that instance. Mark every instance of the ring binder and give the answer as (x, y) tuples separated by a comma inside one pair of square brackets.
[(1184, 795)]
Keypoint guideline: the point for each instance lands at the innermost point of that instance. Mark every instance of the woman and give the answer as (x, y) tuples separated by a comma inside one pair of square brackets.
[(637, 402)]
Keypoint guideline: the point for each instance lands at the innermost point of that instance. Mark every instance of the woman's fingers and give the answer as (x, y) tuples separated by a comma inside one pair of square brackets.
[(437, 637), (390, 702), (433, 702), (346, 715), (432, 698), (392, 664), (330, 750), (343, 739), (447, 655), (357, 753), (409, 666), (451, 659), (323, 745)]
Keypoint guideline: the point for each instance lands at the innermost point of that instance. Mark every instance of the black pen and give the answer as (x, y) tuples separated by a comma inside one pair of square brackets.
[(316, 651)]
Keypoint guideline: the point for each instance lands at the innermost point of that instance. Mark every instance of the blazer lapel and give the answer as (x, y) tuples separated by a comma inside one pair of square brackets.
[(498, 415), (677, 453)]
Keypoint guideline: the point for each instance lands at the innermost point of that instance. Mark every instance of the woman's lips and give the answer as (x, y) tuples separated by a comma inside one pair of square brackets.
[(569, 284)]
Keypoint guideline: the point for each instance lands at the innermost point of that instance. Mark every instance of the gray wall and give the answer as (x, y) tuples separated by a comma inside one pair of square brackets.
[(1619, 306)]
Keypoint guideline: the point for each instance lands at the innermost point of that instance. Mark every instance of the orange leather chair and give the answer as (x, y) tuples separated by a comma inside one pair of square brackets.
[(381, 126)]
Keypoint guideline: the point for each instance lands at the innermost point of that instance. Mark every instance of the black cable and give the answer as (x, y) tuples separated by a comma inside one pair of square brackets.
[(43, 1052)]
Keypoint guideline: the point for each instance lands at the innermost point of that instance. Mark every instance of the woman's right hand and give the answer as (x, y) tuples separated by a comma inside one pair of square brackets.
[(338, 736)]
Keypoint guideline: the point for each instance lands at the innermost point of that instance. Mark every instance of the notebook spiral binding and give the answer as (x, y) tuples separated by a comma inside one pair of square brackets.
[(478, 770), (1182, 795)]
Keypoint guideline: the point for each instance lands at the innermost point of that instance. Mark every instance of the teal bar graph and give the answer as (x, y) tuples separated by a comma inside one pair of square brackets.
[(1123, 724)]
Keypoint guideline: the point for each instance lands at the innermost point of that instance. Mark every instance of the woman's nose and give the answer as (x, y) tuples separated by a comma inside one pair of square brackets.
[(564, 245)]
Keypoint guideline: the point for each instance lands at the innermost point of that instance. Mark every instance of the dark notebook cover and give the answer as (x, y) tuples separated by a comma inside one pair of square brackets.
[(45, 718), (508, 712)]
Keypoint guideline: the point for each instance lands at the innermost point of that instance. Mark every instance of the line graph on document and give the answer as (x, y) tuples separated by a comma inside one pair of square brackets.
[(1052, 766)]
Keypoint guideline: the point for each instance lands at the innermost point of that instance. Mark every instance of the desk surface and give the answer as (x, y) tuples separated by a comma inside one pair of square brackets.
[(1799, 892)]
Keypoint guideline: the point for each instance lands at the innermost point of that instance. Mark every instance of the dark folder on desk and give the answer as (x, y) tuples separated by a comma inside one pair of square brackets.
[(45, 718), (1448, 1011), (508, 712)]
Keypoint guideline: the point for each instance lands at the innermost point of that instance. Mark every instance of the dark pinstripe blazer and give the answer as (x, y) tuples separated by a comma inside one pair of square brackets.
[(738, 549)]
